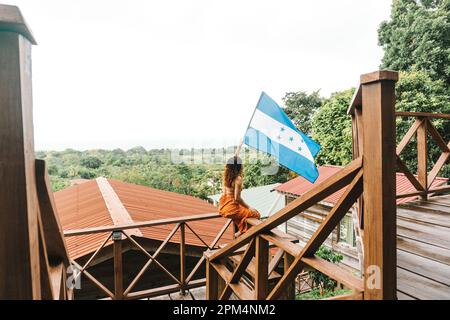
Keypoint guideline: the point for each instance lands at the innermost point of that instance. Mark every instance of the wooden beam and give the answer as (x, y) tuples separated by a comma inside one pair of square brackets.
[(380, 232), (95, 281), (243, 291), (19, 207), (290, 289), (155, 292), (437, 137), (441, 161), (239, 270), (356, 101), (409, 134), (403, 168), (11, 20), (53, 234), (212, 245), (182, 257), (143, 224), (336, 214), (149, 262), (344, 204), (423, 114), (57, 280), (118, 269), (275, 260), (377, 76), (212, 281), (433, 190), (46, 285), (133, 241), (335, 272), (197, 235), (422, 156), (286, 245)]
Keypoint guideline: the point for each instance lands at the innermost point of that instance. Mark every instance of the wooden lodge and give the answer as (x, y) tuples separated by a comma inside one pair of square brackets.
[(405, 251)]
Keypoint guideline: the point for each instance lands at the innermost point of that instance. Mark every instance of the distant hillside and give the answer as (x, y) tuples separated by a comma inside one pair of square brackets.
[(195, 172)]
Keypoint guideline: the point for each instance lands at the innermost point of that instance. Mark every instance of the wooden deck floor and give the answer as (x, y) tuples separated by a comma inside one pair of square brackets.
[(423, 249)]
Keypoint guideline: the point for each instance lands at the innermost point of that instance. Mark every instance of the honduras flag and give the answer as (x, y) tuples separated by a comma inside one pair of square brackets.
[(270, 130)]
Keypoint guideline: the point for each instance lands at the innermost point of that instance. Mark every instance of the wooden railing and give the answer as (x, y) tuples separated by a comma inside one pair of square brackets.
[(369, 180), (54, 261), (423, 127), (223, 280), (118, 235)]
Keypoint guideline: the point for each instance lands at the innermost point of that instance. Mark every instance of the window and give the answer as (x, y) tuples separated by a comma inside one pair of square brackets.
[(347, 231)]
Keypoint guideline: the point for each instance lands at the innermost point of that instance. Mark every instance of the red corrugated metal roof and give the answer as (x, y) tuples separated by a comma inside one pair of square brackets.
[(300, 185), (82, 206)]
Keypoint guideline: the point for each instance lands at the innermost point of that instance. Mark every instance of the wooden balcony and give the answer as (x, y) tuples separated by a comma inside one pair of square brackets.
[(263, 262)]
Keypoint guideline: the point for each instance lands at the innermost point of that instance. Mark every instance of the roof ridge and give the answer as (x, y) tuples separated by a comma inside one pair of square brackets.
[(119, 214)]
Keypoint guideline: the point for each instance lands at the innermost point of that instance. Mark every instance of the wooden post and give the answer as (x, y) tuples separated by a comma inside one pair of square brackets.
[(262, 268), (118, 267), (19, 249), (212, 280), (290, 291), (378, 111), (422, 154), (183, 258)]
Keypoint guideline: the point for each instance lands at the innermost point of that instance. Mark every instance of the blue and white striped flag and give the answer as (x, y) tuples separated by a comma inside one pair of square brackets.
[(270, 130)]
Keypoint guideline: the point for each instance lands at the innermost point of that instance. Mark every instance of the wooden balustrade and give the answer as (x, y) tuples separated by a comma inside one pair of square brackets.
[(422, 128), (119, 235), (34, 257), (371, 171), (258, 238)]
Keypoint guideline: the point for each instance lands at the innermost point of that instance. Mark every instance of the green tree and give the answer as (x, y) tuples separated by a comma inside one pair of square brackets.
[(138, 150), (300, 107), (325, 283), (91, 162), (332, 129), (87, 174), (416, 41), (417, 91), (418, 36)]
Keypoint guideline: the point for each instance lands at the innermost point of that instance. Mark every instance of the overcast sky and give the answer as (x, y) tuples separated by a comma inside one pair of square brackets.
[(110, 74)]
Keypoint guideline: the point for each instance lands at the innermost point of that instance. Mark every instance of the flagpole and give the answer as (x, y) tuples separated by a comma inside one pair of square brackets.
[(248, 126)]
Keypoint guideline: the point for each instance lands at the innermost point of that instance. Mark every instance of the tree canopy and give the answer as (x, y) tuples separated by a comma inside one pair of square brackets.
[(300, 107), (332, 129), (417, 36), (416, 42), (156, 168)]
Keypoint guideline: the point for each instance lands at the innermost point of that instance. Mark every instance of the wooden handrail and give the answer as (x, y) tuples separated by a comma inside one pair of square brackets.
[(143, 224), (423, 115), (423, 181), (422, 193), (182, 284)]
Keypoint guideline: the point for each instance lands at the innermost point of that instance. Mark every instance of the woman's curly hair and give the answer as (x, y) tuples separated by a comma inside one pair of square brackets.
[(233, 168)]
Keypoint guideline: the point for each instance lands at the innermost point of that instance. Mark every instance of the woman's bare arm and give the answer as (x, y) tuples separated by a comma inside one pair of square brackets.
[(237, 192)]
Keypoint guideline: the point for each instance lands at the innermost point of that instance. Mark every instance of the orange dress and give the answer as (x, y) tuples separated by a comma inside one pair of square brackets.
[(232, 209)]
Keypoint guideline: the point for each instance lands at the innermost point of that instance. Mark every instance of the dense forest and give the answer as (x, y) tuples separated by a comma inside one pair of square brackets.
[(196, 172), (416, 42)]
